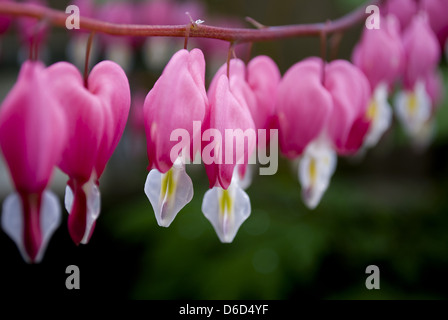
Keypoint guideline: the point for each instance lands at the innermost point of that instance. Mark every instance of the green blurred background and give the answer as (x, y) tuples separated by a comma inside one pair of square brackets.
[(388, 208)]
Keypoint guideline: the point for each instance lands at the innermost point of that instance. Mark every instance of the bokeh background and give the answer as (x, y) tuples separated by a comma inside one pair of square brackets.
[(388, 207)]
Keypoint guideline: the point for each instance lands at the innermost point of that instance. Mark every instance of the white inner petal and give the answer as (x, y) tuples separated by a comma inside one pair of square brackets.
[(68, 199), (13, 221), (93, 207), (413, 109), (93, 197), (316, 167), (380, 114), (50, 219), (226, 209), (168, 193)]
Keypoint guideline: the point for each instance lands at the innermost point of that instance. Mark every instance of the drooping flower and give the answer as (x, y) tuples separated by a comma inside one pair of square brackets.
[(403, 10), (254, 85), (96, 116), (230, 131), (177, 100), (240, 104), (32, 137), (380, 57), (351, 94), (227, 209), (437, 11), (302, 97), (321, 113), (418, 122), (303, 109), (413, 105), (263, 77)]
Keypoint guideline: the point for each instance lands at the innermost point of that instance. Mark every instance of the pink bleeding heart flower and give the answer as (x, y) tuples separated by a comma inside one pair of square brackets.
[(229, 138), (380, 56), (254, 86), (244, 93), (96, 116), (33, 134), (416, 109), (174, 109), (422, 54), (437, 11), (303, 106), (403, 10), (263, 77), (237, 89), (319, 115), (351, 93)]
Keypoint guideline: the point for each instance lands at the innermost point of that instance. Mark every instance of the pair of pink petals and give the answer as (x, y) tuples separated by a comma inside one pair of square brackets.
[(422, 51), (177, 101), (380, 53), (60, 123), (97, 116), (33, 135), (245, 100), (436, 10), (315, 98)]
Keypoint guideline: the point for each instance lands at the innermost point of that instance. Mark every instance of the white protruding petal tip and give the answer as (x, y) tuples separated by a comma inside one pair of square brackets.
[(50, 219), (68, 200), (93, 208), (226, 210), (168, 193), (13, 221), (316, 167), (413, 109), (380, 114)]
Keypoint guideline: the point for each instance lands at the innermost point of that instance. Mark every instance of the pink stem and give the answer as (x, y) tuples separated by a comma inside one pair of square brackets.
[(236, 35)]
